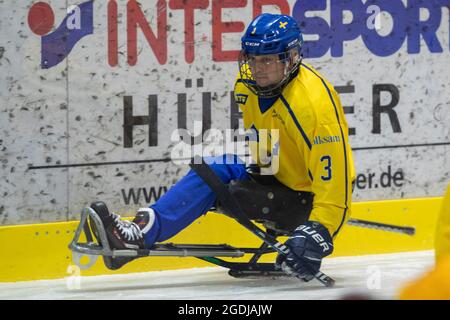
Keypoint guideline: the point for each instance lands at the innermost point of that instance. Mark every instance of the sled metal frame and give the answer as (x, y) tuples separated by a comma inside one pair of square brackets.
[(209, 253)]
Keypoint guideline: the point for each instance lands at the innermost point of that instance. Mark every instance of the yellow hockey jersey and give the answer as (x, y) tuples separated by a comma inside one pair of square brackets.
[(435, 284), (312, 142)]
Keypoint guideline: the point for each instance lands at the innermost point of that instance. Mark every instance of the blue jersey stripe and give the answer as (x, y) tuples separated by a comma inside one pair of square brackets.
[(248, 81), (345, 150), (310, 175), (299, 127)]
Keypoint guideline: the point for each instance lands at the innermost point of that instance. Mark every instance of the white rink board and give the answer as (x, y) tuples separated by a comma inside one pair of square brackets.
[(378, 276), (62, 127)]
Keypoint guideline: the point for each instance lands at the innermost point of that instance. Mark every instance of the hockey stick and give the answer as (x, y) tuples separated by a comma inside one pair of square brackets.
[(230, 203), (381, 226)]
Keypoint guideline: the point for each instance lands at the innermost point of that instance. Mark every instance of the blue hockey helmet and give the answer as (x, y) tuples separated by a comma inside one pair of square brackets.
[(270, 35)]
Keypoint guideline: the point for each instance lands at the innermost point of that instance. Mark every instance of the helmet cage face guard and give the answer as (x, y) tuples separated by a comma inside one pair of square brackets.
[(290, 61)]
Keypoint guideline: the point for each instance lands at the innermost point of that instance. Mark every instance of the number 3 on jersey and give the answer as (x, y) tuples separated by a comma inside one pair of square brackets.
[(326, 160)]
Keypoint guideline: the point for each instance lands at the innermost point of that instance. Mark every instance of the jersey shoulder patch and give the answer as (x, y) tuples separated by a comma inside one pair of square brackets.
[(241, 98)]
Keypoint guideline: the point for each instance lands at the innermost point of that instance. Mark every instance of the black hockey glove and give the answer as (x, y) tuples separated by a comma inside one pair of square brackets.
[(308, 244)]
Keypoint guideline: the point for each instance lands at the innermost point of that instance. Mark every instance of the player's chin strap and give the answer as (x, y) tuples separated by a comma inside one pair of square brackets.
[(232, 206)]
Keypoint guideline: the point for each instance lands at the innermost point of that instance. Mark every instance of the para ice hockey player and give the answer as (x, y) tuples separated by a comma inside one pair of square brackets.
[(275, 89)]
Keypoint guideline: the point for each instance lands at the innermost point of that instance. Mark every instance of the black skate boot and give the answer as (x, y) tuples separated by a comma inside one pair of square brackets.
[(122, 234)]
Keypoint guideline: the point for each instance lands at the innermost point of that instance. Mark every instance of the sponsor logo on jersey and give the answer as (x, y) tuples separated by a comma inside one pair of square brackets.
[(326, 139)]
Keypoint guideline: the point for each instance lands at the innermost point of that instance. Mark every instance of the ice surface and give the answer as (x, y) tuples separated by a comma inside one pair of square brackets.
[(379, 276)]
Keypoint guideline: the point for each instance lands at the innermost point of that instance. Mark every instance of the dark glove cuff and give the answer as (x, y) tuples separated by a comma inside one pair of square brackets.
[(312, 236)]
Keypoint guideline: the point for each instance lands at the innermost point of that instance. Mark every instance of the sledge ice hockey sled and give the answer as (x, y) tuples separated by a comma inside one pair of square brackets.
[(210, 253)]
